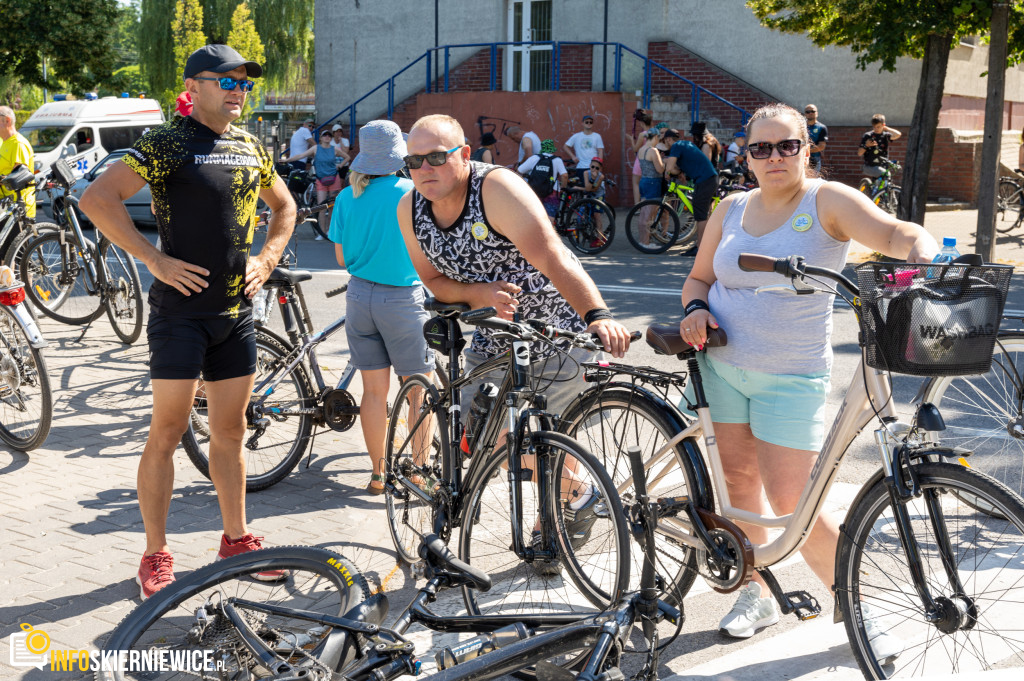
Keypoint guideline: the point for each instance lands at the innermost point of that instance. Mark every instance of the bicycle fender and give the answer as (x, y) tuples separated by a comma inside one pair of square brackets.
[(28, 323)]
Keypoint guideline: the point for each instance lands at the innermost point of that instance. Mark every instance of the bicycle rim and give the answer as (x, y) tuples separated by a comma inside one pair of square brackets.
[(1009, 205), (608, 424), (985, 414), (652, 226), (12, 258), (591, 575), (124, 292), (60, 295), (269, 457), (414, 450), (974, 629), (687, 223), (26, 405), (315, 580), (592, 226)]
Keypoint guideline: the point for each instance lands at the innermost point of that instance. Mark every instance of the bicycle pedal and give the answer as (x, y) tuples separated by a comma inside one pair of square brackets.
[(802, 604)]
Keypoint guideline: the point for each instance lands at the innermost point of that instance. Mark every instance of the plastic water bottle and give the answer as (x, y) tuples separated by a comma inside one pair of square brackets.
[(947, 254)]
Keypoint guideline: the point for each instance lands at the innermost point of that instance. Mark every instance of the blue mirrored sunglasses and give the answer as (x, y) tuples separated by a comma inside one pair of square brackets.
[(229, 83)]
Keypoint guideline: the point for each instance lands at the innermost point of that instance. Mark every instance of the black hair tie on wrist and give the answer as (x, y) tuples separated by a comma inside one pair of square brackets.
[(596, 314), (695, 305)]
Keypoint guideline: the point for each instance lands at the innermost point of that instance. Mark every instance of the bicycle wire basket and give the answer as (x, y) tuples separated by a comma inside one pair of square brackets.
[(931, 320)]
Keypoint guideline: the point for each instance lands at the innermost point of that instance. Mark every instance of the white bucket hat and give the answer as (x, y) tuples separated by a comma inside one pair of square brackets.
[(382, 150)]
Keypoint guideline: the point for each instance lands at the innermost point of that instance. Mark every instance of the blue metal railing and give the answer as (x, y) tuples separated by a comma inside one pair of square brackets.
[(432, 57)]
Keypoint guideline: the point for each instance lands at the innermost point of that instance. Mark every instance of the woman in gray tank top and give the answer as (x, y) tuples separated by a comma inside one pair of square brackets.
[(767, 387)]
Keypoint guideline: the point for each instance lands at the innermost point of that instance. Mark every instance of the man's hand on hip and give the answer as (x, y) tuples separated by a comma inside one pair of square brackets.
[(257, 271), (183, 276), (614, 336)]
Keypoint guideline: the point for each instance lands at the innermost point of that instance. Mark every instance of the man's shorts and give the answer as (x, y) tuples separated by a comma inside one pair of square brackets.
[(703, 194), (217, 348), (871, 171), (385, 327), (561, 379), (782, 409)]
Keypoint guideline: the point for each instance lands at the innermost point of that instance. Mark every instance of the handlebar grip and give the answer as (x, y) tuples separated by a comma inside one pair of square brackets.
[(478, 315), (433, 545), (337, 291), (752, 262)]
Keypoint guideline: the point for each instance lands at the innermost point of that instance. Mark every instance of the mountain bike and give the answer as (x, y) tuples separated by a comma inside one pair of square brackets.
[(320, 622), (26, 403), (15, 226), (533, 505), (586, 222), (882, 190), (72, 279), (1010, 202), (931, 551)]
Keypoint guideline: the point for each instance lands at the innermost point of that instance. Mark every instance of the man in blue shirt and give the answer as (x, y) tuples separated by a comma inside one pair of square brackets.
[(685, 157), (818, 133)]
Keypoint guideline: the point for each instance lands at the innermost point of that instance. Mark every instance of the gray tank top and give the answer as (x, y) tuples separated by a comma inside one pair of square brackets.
[(471, 251), (647, 168), (776, 332)]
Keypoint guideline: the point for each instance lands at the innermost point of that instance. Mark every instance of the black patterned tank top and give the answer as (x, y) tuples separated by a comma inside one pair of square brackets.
[(470, 251)]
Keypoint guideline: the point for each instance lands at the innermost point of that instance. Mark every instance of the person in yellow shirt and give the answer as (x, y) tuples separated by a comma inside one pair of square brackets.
[(15, 150)]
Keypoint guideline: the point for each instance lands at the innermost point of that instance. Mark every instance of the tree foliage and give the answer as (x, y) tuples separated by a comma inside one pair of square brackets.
[(187, 32), (126, 35), (76, 38), (156, 45), (244, 38)]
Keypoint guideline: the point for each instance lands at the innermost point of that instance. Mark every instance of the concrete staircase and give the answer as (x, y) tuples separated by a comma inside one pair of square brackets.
[(676, 112)]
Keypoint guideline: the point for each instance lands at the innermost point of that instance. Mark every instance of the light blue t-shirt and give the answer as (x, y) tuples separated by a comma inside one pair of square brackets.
[(367, 229)]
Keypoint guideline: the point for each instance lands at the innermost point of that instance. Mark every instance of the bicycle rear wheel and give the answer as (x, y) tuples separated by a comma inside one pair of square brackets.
[(415, 447), (593, 546), (1009, 205), (58, 293), (124, 292), (652, 226), (610, 421), (12, 258), (592, 226), (315, 581), (985, 413), (687, 223), (974, 628), (270, 455), (26, 404)]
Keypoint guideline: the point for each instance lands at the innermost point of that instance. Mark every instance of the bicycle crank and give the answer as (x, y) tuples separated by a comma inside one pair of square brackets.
[(730, 542), (339, 409)]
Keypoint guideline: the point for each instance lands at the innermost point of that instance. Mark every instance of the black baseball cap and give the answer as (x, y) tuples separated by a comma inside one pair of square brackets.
[(219, 59)]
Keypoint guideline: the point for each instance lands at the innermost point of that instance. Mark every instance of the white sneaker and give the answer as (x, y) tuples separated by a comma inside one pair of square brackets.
[(885, 645), (750, 613)]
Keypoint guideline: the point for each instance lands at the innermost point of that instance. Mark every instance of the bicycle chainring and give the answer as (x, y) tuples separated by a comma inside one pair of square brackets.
[(340, 410), (722, 578)]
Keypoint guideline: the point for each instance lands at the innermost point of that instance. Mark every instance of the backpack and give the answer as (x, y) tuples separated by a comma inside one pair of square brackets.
[(542, 178)]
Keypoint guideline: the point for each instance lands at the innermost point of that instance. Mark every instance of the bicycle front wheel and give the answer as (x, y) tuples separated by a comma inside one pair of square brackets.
[(274, 441), (687, 223), (592, 570), (985, 413), (591, 226), (57, 288), (652, 226), (415, 446), (1009, 205), (192, 614), (972, 564), (610, 421), (26, 405), (123, 292), (12, 258)]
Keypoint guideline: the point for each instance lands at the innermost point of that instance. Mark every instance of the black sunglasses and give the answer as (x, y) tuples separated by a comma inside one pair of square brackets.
[(229, 83), (434, 158), (810, 111), (596, 168), (763, 150)]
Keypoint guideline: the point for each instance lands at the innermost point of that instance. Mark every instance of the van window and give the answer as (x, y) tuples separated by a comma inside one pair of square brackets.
[(44, 138), (121, 137), (83, 139)]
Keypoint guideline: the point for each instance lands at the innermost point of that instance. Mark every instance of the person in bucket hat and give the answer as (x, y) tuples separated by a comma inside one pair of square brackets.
[(385, 295)]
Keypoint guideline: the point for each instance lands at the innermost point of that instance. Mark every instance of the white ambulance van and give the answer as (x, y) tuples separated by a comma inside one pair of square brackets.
[(85, 131)]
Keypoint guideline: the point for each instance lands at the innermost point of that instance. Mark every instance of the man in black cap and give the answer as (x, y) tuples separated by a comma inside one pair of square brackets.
[(206, 177)]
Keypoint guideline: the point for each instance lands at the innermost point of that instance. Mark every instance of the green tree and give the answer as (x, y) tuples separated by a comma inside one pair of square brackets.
[(187, 31), (126, 34), (244, 38), (75, 38), (156, 45), (286, 28), (883, 31)]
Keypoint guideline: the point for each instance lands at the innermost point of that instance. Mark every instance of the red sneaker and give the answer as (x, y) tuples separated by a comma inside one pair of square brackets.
[(155, 572), (246, 544)]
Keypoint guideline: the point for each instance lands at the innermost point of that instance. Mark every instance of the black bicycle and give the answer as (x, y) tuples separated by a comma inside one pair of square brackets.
[(587, 223), (320, 621), (882, 191), (72, 279), (527, 535)]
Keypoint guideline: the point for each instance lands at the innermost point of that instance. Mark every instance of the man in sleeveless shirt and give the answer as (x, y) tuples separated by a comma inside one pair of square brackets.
[(206, 177), (478, 234)]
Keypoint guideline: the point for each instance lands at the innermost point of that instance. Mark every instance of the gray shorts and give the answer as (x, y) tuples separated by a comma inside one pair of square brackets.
[(385, 327), (871, 171), (568, 381)]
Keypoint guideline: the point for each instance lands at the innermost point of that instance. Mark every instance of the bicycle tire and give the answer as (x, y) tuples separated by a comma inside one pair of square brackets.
[(317, 580), (866, 186), (687, 223), (638, 227), (518, 588), (409, 516), (41, 270), (123, 298), (309, 196), (12, 258), (869, 571), (271, 462), (26, 403), (891, 199), (592, 226), (1009, 205), (609, 421), (981, 411)]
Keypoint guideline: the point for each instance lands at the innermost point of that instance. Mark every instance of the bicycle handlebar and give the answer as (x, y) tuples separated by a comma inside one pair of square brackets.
[(794, 268), (531, 329)]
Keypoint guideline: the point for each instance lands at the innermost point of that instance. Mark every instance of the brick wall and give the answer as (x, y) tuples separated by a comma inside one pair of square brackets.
[(576, 68)]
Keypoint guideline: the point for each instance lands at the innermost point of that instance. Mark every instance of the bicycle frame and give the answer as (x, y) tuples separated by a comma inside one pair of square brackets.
[(89, 254)]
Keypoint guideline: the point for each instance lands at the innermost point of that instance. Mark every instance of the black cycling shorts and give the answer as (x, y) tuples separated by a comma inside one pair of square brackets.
[(217, 347)]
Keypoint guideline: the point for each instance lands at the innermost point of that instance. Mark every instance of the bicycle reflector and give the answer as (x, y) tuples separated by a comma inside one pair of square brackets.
[(12, 296)]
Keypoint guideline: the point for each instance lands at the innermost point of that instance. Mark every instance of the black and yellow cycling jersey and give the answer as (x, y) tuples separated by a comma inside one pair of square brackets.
[(205, 188)]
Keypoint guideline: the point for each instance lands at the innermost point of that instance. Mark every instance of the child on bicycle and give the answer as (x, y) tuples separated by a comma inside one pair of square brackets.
[(593, 178)]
